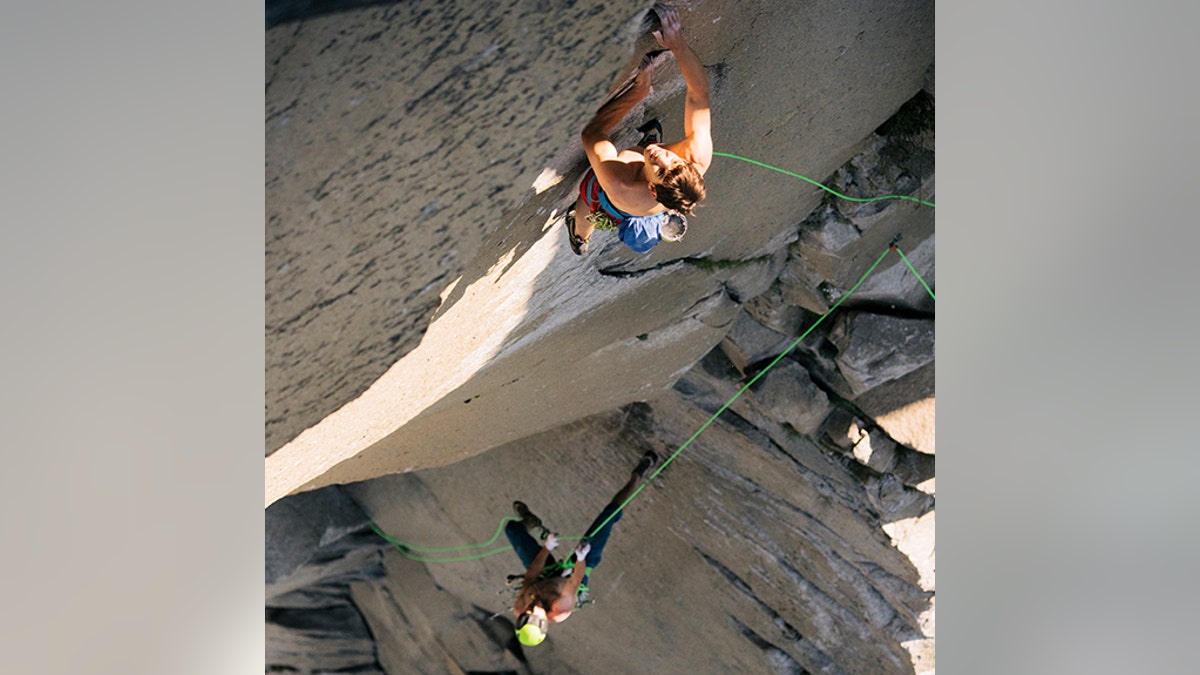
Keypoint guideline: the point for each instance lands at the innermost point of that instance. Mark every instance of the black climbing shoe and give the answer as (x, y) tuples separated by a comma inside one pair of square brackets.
[(579, 245), (648, 461), (531, 522)]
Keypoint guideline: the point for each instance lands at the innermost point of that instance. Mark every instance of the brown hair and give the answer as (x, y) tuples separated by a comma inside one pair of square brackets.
[(682, 188)]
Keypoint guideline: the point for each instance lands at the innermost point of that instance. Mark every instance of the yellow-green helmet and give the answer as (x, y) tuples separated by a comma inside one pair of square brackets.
[(531, 629)]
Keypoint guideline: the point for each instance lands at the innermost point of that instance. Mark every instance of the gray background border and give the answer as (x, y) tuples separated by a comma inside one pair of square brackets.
[(132, 260), (1066, 149)]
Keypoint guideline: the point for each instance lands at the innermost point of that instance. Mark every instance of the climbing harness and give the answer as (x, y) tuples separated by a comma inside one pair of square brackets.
[(514, 582), (407, 549)]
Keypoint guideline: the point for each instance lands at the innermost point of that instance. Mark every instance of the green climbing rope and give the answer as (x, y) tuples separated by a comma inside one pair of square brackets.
[(739, 393), (914, 271), (406, 548), (403, 548), (827, 189)]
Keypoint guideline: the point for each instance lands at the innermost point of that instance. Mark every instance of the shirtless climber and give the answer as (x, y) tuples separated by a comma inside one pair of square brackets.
[(644, 192), (550, 590)]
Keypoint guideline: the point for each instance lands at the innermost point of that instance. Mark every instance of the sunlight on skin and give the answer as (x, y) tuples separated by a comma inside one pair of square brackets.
[(534, 298), (477, 330)]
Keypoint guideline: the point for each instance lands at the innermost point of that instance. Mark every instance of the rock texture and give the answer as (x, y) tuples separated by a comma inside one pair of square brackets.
[(317, 544), (435, 351), (403, 144)]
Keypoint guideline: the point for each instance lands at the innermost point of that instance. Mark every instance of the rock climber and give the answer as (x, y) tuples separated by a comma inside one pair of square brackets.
[(645, 192), (550, 590)]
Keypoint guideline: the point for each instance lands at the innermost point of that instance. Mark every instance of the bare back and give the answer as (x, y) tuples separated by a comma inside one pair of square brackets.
[(625, 186), (552, 592)]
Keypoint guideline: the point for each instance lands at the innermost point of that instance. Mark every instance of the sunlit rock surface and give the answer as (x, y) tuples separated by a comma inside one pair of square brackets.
[(435, 351)]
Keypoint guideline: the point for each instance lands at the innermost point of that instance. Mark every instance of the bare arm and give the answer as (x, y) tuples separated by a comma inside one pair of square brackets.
[(539, 560), (572, 584), (522, 603), (595, 135), (524, 598), (696, 114), (564, 604), (580, 569)]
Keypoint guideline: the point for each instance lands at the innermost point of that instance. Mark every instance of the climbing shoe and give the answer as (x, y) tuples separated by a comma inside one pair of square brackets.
[(579, 245), (648, 461), (531, 522)]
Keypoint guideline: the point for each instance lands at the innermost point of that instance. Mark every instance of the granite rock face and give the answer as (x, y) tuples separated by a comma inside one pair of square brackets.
[(419, 157), (789, 395), (435, 351), (399, 137), (874, 348), (318, 543)]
